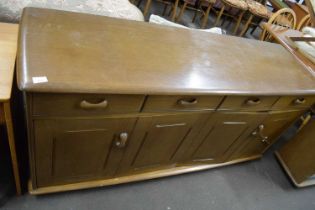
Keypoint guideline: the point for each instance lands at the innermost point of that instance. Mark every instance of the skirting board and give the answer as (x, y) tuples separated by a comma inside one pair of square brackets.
[(287, 170), (133, 178)]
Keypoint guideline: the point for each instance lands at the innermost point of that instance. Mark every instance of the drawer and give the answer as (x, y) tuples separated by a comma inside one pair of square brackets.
[(45, 104), (294, 102), (248, 102), (181, 103)]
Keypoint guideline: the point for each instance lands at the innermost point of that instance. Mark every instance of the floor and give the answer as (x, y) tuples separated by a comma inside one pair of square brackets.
[(255, 185)]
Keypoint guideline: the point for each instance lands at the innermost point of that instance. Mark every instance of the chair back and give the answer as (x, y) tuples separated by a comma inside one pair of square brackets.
[(306, 21), (283, 18)]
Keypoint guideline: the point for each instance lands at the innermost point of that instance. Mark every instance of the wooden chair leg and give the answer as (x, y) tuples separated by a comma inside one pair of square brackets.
[(171, 10), (229, 23), (262, 35), (246, 25), (181, 12), (219, 16), (253, 29), (164, 9), (238, 22), (223, 20), (9, 126), (175, 10), (195, 15), (206, 17), (146, 8)]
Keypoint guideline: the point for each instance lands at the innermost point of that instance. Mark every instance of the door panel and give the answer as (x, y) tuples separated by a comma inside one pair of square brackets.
[(220, 135), (71, 150), (273, 125), (161, 140), (219, 139), (160, 143), (80, 153)]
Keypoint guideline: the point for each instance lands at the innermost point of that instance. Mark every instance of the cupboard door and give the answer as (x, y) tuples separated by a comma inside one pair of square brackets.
[(161, 140), (220, 135), (71, 150), (266, 133)]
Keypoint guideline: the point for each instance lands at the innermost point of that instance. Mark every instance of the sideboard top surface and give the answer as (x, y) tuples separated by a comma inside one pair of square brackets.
[(84, 53)]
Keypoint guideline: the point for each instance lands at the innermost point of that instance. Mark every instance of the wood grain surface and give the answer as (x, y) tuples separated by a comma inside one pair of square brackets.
[(8, 43), (93, 54)]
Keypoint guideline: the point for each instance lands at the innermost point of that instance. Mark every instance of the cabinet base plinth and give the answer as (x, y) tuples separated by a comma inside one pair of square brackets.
[(133, 178)]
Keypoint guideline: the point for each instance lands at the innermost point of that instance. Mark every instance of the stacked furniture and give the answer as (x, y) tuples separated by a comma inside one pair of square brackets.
[(110, 101)]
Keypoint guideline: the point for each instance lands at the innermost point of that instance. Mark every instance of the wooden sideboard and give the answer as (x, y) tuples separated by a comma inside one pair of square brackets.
[(110, 101)]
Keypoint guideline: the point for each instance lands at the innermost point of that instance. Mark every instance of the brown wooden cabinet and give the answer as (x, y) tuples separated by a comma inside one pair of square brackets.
[(153, 102), (71, 150)]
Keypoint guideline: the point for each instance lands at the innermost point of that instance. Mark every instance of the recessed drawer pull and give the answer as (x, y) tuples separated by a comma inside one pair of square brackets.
[(253, 102), (87, 105), (259, 132), (299, 101), (187, 102)]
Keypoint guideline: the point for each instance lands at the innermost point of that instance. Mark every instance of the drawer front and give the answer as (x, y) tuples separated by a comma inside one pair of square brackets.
[(294, 102), (181, 103), (248, 102), (46, 104)]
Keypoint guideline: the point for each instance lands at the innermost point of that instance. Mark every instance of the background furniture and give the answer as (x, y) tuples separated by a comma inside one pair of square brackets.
[(240, 5), (297, 156), (10, 11), (283, 18), (278, 4), (191, 4), (280, 35), (207, 4), (299, 10), (174, 4), (112, 116), (8, 45), (255, 9), (305, 21)]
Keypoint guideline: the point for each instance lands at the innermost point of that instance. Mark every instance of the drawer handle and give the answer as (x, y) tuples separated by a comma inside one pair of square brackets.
[(253, 102), (299, 101), (185, 102), (122, 140), (259, 132), (87, 105)]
